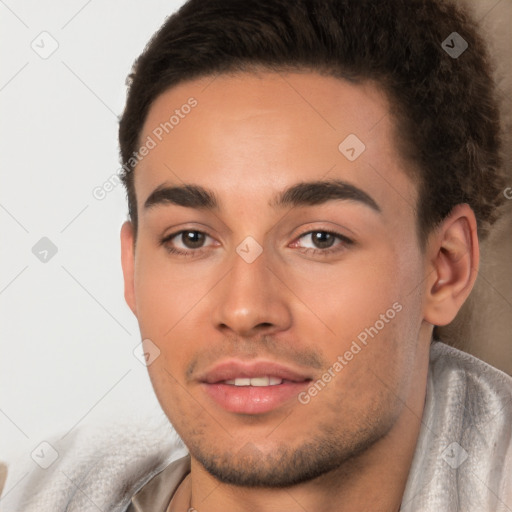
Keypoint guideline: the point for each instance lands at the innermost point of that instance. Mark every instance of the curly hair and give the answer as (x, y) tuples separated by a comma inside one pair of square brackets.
[(445, 108)]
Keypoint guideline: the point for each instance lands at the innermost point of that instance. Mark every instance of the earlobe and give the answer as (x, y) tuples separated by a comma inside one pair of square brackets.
[(452, 267), (128, 264)]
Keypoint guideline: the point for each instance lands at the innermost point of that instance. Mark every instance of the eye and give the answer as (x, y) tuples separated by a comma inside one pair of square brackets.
[(185, 242), (323, 242)]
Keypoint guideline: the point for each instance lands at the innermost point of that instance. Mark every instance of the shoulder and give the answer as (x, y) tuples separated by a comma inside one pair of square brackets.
[(451, 366), (91, 466), (469, 400), (463, 457)]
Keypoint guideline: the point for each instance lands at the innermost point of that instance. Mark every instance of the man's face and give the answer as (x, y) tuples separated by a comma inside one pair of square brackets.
[(321, 292)]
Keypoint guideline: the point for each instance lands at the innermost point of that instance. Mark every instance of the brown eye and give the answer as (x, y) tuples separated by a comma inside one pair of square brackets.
[(186, 243), (323, 239), (322, 243), (192, 239)]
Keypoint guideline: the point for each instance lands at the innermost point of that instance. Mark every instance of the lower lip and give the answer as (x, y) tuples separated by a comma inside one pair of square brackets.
[(253, 399)]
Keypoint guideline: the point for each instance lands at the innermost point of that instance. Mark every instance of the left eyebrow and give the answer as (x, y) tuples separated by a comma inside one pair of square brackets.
[(317, 192), (301, 194)]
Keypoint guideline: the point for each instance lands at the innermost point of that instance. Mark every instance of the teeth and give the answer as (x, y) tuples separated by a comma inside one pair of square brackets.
[(260, 381), (255, 381)]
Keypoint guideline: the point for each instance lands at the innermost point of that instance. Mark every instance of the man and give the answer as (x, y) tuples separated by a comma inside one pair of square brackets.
[(307, 185)]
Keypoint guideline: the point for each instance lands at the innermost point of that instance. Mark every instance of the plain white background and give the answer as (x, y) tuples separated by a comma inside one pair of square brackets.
[(67, 337)]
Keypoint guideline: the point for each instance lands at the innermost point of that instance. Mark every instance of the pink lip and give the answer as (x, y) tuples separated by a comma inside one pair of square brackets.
[(252, 399), (231, 369)]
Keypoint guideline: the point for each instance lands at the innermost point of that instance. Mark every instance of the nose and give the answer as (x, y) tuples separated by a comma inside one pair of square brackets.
[(252, 299)]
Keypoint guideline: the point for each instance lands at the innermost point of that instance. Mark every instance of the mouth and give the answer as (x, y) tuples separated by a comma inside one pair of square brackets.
[(252, 388), (254, 381)]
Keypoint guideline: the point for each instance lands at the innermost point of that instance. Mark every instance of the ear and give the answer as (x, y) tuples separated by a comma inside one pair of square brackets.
[(453, 256), (128, 264)]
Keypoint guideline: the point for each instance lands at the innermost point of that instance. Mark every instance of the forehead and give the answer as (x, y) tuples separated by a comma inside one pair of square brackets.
[(250, 135)]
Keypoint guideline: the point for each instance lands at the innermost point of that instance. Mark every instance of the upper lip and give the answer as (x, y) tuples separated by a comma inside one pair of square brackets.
[(232, 369)]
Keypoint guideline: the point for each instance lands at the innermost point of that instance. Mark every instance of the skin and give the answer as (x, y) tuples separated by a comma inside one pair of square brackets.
[(251, 136)]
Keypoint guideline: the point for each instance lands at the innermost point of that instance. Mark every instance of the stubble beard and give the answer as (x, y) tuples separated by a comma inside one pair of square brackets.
[(286, 465)]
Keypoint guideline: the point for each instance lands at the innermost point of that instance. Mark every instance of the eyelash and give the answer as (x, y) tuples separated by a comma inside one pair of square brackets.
[(306, 250)]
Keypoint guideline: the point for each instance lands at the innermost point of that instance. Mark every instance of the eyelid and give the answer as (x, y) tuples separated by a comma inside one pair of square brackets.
[(167, 238), (341, 236), (343, 243)]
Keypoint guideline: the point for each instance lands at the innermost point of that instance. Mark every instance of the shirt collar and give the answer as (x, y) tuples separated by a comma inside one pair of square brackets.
[(156, 494)]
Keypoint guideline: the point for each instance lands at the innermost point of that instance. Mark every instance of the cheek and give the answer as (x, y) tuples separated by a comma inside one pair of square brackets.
[(369, 371), (184, 411), (165, 295), (348, 297), (369, 313)]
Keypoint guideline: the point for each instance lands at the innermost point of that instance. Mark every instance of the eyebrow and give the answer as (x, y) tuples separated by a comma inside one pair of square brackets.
[(301, 194)]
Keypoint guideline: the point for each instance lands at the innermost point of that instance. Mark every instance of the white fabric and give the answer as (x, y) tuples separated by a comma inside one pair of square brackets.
[(99, 468), (468, 402)]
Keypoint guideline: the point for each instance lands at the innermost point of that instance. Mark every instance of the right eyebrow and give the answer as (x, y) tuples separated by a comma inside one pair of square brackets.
[(190, 196)]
